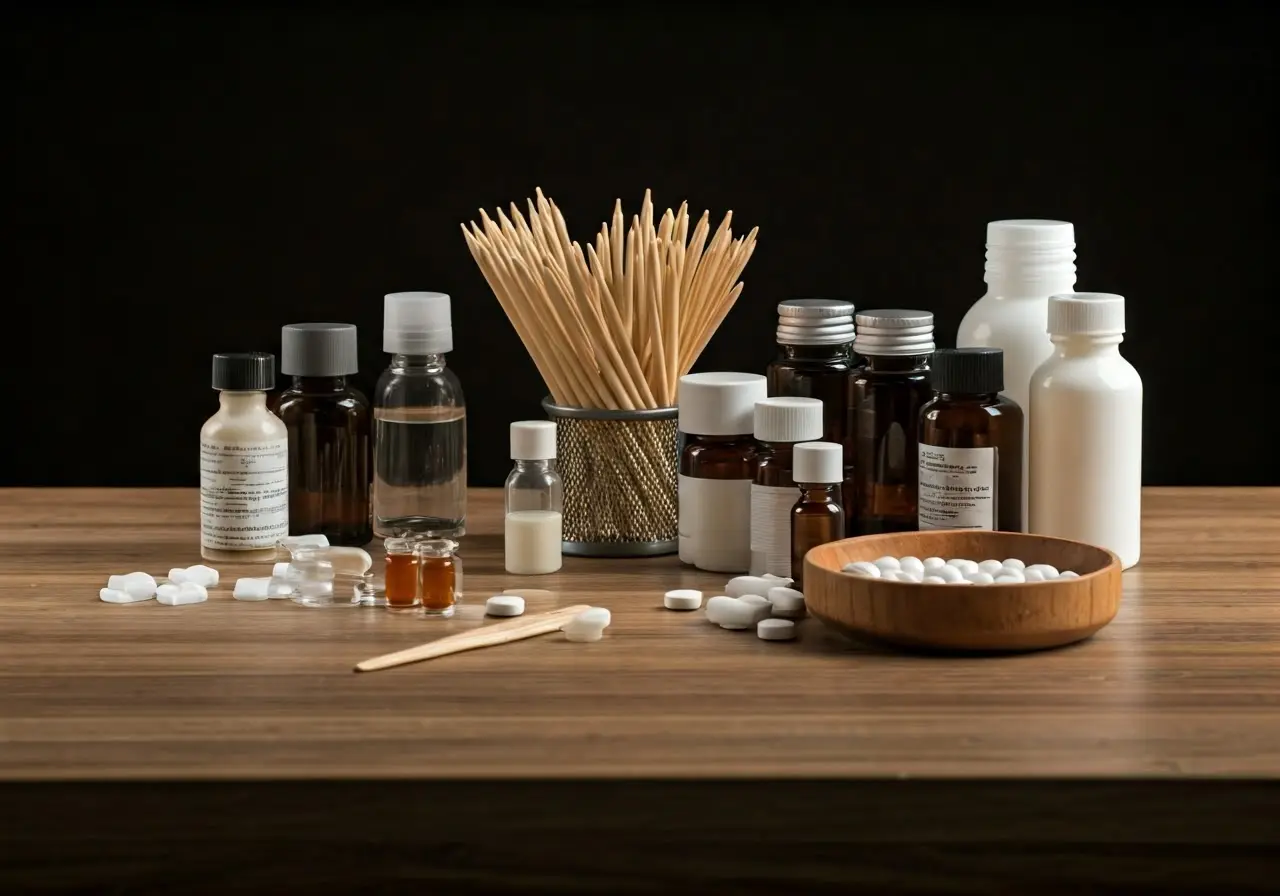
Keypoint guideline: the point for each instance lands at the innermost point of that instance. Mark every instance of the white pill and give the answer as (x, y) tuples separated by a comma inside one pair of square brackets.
[(1006, 579), (717, 606), (990, 567), (1068, 574), (140, 585), (897, 575), (913, 565), (293, 542), (187, 593), (980, 578), (595, 616), (178, 575), (775, 630), (280, 589), (887, 563), (933, 564), (1016, 575), (1049, 572), (1013, 563), (950, 574), (202, 575), (252, 589), (747, 585), (787, 602), (777, 580), (1032, 575), (504, 605), (280, 570), (763, 608), (583, 634), (863, 568), (682, 599), (965, 566), (738, 615), (115, 596), (167, 591), (934, 580), (959, 581)]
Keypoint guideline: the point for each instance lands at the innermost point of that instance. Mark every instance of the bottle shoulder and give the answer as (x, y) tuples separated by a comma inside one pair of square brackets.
[(259, 425), (993, 321), (418, 386), (1087, 373)]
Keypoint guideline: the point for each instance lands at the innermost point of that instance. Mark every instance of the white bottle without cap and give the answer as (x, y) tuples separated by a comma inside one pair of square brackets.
[(244, 464), (1027, 261), (1086, 430), (780, 423), (533, 536), (717, 418)]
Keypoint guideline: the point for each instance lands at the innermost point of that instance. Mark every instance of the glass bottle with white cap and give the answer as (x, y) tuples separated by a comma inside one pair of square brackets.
[(1027, 261), (885, 401), (420, 423), (817, 518), (1086, 430), (534, 501)]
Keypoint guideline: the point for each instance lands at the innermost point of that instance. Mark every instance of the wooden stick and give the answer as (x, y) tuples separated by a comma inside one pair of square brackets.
[(486, 636), (625, 349)]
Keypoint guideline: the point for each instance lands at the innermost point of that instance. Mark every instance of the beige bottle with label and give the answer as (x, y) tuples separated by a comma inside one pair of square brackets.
[(244, 464)]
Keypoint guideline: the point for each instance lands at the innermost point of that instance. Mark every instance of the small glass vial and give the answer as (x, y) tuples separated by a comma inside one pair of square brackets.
[(329, 424), (1086, 430), (400, 579), (884, 406), (420, 424), (817, 518), (533, 531), (717, 467), (780, 422), (816, 360), (244, 464), (970, 474), (439, 576)]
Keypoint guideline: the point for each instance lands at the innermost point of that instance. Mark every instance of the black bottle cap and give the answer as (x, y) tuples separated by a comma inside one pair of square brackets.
[(244, 371), (967, 371)]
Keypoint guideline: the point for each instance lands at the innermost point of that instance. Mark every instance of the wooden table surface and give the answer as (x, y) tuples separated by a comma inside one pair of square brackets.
[(1183, 685)]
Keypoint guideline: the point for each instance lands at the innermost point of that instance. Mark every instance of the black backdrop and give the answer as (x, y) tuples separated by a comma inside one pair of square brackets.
[(187, 183)]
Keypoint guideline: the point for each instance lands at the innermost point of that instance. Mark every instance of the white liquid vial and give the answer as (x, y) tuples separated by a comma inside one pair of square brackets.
[(533, 529), (244, 464)]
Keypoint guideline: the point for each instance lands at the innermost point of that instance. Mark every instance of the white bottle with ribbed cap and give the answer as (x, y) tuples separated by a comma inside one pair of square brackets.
[(532, 544), (717, 466), (1086, 430), (780, 423), (1028, 260)]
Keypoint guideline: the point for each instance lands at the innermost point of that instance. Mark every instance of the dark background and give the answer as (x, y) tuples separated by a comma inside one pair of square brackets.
[(189, 182)]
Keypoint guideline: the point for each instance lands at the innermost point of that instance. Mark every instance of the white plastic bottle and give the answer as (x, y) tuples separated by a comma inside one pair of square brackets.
[(244, 464), (1027, 261), (1086, 430), (533, 528)]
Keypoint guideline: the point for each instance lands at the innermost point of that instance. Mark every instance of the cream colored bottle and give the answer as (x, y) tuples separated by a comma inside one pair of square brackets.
[(244, 464)]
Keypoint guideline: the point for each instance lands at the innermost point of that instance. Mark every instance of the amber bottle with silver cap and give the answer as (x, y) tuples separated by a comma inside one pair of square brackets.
[(884, 405)]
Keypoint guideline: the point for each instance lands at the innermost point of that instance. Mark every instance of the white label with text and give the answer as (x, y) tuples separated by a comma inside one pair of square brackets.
[(957, 488), (244, 494)]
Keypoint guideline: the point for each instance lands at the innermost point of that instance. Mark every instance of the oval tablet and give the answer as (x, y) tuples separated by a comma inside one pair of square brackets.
[(775, 630), (504, 605), (682, 599)]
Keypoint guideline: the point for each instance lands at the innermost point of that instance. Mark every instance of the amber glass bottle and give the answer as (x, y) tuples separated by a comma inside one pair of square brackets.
[(884, 406), (328, 422), (816, 360), (817, 518), (970, 467), (780, 423)]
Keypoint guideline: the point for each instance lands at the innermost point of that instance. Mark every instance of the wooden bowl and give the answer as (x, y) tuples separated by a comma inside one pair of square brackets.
[(1026, 616)]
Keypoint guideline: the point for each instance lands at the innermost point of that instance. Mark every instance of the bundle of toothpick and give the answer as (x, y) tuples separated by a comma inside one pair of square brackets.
[(616, 326)]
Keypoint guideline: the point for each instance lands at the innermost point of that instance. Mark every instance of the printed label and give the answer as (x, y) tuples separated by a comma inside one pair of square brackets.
[(957, 488), (771, 529), (244, 494), (715, 523)]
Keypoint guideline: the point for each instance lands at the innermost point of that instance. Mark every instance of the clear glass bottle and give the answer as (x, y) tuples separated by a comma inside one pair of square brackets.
[(970, 445), (439, 576), (329, 424), (420, 424), (816, 360), (534, 502), (315, 582), (885, 401), (244, 464), (780, 422), (1086, 430), (817, 517), (717, 467)]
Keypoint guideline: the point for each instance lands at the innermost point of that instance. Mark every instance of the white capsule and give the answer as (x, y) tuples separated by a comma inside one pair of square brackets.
[(763, 608), (682, 599), (741, 585), (504, 605), (738, 615), (280, 570), (719, 605), (1032, 575), (779, 581), (980, 578), (1013, 563), (1006, 579), (202, 575), (960, 581), (1068, 574), (187, 593), (252, 589), (990, 567), (965, 566), (115, 596), (863, 568), (595, 616), (913, 565), (178, 575), (1049, 572), (933, 564), (887, 563), (787, 602), (139, 585), (583, 633), (775, 630), (167, 592), (950, 574), (934, 580), (1015, 575)]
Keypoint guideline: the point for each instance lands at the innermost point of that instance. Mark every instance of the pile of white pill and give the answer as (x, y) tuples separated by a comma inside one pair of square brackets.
[(765, 603), (587, 626), (936, 571), (188, 585)]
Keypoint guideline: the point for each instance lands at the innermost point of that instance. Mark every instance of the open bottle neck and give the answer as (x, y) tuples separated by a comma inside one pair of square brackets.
[(429, 363), (242, 402), (1075, 346)]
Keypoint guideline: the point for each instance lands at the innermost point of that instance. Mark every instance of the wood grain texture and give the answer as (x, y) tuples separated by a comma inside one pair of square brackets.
[(1006, 617), (151, 749)]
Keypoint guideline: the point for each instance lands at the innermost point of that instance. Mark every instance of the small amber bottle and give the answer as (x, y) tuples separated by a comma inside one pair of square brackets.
[(781, 422), (970, 445), (717, 467), (817, 518), (884, 406), (329, 434)]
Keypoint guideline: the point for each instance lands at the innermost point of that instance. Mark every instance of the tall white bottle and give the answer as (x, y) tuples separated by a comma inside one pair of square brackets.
[(1027, 261), (1086, 430)]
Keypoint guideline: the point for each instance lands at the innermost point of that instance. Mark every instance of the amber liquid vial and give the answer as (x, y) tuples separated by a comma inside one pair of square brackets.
[(439, 572), (401, 579)]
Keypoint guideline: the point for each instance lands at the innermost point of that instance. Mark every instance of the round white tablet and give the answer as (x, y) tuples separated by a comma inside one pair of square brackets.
[(682, 599), (504, 605), (775, 630)]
